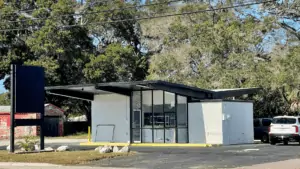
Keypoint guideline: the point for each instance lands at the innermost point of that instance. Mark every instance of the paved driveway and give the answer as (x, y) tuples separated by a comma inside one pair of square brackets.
[(203, 158), (196, 158)]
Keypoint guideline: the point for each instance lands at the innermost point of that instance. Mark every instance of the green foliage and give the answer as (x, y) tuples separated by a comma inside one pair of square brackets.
[(119, 63), (4, 99), (219, 52), (217, 49), (28, 143)]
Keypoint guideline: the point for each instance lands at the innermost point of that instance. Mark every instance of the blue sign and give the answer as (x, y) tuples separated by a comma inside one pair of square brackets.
[(29, 89)]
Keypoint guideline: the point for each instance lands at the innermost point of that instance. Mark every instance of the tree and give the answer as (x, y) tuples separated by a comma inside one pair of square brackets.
[(119, 56), (54, 35), (118, 63), (217, 49), (4, 99), (220, 50), (287, 13), (45, 39)]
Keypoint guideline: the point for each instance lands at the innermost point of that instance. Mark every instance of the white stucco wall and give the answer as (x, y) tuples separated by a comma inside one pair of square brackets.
[(238, 122), (108, 110), (222, 122), (205, 122)]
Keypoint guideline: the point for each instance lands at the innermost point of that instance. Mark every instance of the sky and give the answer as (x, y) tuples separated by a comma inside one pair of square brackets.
[(2, 90)]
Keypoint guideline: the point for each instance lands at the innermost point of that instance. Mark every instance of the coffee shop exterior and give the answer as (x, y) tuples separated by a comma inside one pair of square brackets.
[(164, 113)]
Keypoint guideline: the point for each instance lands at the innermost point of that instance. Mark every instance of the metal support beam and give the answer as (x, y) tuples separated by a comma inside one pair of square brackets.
[(82, 95), (28, 122), (13, 107), (181, 91), (126, 92), (164, 116)]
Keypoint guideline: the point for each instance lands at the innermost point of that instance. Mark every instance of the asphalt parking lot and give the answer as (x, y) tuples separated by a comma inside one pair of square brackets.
[(203, 158), (196, 158)]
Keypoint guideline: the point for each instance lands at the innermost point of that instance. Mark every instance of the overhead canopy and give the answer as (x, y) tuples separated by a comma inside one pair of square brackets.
[(87, 91)]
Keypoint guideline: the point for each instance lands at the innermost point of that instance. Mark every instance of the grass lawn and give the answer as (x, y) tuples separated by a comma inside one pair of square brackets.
[(74, 136), (62, 158)]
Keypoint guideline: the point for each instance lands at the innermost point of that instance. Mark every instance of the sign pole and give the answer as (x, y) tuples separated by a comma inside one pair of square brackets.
[(13, 107), (42, 138)]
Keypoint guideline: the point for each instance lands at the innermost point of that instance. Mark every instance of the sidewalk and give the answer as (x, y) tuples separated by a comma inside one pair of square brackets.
[(10, 165), (50, 141), (288, 164)]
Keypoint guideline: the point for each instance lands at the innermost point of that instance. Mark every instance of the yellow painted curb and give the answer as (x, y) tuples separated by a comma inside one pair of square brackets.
[(149, 144), (169, 145), (103, 144)]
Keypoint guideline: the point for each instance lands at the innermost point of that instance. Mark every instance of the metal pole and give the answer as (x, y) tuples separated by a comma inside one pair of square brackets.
[(89, 133), (13, 107), (176, 120), (152, 109), (164, 116), (42, 138)]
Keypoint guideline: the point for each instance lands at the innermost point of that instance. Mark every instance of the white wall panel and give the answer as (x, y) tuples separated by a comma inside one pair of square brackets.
[(110, 110), (238, 126), (212, 115), (196, 123)]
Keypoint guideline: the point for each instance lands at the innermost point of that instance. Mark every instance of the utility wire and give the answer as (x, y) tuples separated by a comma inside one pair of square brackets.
[(152, 17), (95, 12)]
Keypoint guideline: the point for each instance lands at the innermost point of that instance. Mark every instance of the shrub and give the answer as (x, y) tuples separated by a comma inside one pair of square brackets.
[(28, 143)]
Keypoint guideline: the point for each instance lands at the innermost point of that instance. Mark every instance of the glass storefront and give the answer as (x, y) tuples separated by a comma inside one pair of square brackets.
[(159, 117)]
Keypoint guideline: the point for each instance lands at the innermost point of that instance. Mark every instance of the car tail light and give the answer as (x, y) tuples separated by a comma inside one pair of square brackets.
[(296, 129), (269, 129)]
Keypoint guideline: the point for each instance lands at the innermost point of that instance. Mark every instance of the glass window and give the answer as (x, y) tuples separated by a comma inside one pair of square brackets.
[(147, 135), (136, 135), (284, 120), (170, 120), (169, 102), (256, 123), (170, 134), (158, 135), (266, 122), (182, 123), (158, 118), (136, 109), (181, 111), (147, 109), (182, 135)]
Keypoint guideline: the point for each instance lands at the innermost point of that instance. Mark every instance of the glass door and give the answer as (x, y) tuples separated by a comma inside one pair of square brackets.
[(136, 131)]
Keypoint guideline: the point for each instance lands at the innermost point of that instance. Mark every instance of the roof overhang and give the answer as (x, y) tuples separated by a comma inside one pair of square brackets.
[(225, 93), (127, 87), (82, 92), (87, 91)]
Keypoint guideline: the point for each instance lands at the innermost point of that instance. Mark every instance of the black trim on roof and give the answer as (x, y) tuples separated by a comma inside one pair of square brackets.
[(125, 88), (47, 88), (235, 92), (77, 94)]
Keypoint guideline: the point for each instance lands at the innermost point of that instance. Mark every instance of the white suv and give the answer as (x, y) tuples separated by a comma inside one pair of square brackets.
[(284, 129)]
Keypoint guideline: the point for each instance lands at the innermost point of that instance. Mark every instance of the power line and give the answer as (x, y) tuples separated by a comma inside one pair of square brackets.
[(152, 17), (95, 12)]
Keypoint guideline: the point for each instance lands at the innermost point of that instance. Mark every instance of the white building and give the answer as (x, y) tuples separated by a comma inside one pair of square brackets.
[(163, 112)]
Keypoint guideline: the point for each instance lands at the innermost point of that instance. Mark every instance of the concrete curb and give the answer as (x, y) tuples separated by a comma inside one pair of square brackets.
[(149, 144), (50, 141), (27, 164)]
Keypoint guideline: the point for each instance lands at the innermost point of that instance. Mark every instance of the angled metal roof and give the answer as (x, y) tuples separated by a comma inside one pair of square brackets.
[(224, 93), (87, 91)]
